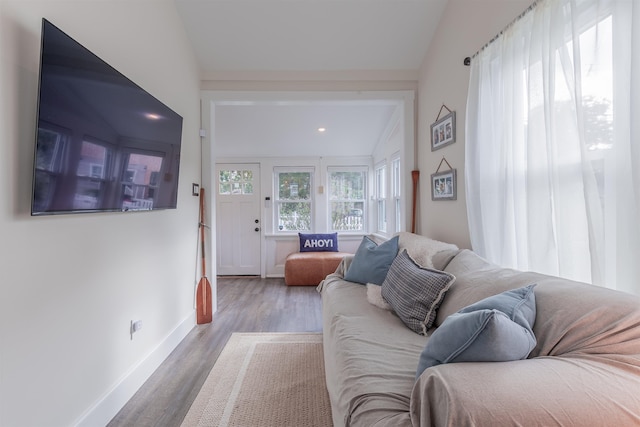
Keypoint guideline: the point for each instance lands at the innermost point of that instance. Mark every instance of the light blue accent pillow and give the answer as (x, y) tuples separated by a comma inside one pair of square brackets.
[(415, 292), (371, 261), (518, 304), (318, 242), (495, 329)]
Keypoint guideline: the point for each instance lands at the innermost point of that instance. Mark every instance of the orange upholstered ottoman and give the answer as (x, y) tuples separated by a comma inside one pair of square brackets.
[(310, 268)]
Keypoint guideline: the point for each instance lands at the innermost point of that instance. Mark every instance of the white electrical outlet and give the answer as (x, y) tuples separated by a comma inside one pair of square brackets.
[(136, 325)]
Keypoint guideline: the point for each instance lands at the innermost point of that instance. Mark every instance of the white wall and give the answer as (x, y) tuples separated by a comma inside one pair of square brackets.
[(71, 284), (400, 138), (278, 246), (465, 27)]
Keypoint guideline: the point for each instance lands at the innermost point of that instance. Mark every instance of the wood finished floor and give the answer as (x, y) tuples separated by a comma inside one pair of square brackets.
[(247, 304)]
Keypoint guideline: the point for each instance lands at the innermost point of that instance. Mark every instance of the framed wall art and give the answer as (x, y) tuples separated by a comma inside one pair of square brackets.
[(443, 184), (443, 130)]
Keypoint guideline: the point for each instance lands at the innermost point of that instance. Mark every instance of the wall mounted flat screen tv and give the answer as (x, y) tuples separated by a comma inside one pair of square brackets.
[(102, 142)]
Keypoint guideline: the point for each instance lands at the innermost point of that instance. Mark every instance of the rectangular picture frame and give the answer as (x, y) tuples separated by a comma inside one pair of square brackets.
[(443, 131), (444, 185)]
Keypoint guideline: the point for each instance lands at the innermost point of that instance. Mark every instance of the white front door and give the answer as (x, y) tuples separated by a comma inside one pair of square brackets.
[(238, 221)]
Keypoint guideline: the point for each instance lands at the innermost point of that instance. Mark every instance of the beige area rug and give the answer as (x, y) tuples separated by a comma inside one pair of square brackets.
[(262, 380)]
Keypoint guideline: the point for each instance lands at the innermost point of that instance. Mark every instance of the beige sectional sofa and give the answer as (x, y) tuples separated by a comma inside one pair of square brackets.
[(583, 371)]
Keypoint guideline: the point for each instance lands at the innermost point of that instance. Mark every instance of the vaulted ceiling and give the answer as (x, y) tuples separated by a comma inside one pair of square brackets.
[(310, 35), (250, 39)]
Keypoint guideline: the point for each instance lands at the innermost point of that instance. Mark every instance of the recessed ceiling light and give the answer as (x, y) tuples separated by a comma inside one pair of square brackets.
[(321, 130)]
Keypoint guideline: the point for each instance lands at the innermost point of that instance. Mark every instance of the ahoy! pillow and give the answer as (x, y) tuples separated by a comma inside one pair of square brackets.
[(318, 242)]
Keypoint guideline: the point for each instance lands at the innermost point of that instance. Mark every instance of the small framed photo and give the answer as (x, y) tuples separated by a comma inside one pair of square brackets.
[(443, 185), (443, 131)]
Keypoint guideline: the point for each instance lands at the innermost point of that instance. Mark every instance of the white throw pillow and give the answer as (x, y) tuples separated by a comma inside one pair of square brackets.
[(374, 296), (420, 248)]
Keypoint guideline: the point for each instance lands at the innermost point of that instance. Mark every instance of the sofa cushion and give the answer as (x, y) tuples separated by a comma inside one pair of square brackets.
[(442, 258), (480, 279), (415, 292), (370, 358), (495, 329), (318, 242), (371, 261), (421, 248)]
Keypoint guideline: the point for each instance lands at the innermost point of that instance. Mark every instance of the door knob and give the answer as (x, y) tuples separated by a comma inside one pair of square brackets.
[(257, 221), (257, 229)]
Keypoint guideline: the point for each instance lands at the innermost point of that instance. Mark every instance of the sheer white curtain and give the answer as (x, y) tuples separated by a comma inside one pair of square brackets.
[(553, 143)]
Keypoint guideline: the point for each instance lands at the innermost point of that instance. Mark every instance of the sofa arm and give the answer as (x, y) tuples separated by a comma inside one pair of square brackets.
[(339, 273), (344, 265), (579, 390)]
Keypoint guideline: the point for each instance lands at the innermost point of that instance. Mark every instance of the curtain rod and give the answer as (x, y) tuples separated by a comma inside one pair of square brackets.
[(467, 60)]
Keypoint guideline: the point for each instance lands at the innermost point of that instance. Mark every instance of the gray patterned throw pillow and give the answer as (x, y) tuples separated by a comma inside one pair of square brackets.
[(415, 292)]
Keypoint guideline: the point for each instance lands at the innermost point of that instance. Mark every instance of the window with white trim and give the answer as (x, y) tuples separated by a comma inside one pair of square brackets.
[(347, 197), (396, 193), (380, 197), (550, 174), (293, 201)]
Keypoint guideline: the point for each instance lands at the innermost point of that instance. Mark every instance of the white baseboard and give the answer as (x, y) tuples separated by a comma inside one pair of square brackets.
[(114, 400)]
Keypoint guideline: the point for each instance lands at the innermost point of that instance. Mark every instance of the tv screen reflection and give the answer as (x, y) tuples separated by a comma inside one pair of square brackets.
[(102, 142)]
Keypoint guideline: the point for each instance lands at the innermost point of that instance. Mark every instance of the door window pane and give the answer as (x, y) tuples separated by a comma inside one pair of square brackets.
[(235, 182)]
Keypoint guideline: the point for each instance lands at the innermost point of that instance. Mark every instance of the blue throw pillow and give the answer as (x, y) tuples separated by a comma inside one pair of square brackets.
[(518, 304), (318, 242), (495, 329), (371, 262)]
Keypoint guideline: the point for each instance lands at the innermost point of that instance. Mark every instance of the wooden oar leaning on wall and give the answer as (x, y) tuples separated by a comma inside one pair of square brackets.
[(203, 292), (415, 176)]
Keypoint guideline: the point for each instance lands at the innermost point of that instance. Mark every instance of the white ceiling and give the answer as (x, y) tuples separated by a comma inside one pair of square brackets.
[(310, 35), (291, 129), (250, 37)]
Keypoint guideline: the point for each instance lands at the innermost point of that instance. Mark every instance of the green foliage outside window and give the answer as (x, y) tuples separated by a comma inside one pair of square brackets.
[(294, 201), (294, 185), (347, 195), (294, 216), (235, 182), (347, 185)]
